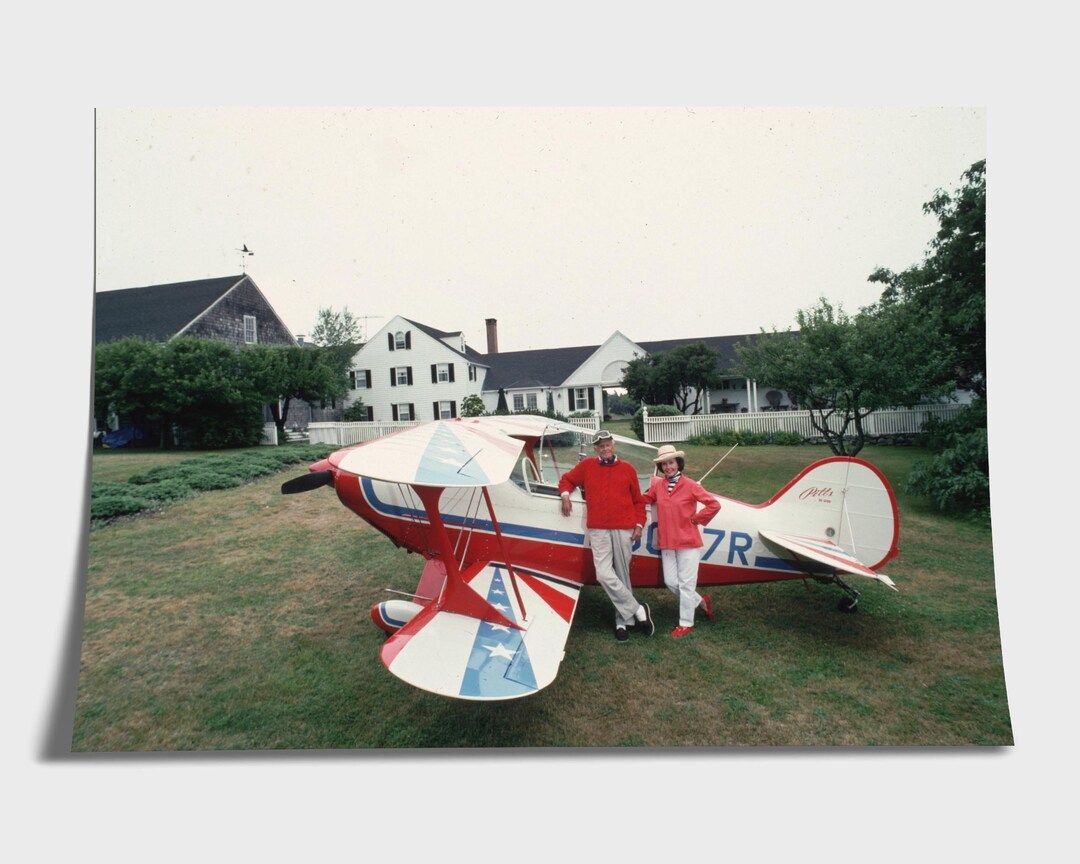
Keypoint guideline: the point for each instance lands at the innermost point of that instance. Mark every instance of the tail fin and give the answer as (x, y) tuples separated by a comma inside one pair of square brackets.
[(845, 500)]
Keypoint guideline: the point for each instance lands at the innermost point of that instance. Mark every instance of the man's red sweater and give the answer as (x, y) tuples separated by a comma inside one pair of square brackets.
[(612, 494)]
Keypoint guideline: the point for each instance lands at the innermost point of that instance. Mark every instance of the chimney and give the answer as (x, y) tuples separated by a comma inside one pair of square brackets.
[(300, 338), (492, 336)]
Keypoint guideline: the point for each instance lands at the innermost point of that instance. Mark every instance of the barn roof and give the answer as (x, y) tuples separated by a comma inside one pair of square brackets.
[(156, 312)]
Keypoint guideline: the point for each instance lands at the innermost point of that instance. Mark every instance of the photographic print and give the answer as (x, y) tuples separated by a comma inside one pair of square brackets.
[(540, 428)]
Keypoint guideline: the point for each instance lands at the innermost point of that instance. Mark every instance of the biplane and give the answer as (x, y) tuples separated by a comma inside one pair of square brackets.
[(478, 499)]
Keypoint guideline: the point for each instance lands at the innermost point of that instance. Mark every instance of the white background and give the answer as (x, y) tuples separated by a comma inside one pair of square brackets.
[(772, 805)]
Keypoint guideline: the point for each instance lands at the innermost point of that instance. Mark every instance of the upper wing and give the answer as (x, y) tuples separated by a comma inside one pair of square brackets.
[(442, 453), (534, 426), (466, 658), (825, 552)]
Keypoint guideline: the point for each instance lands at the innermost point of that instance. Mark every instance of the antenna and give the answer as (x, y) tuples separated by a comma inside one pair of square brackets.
[(363, 325)]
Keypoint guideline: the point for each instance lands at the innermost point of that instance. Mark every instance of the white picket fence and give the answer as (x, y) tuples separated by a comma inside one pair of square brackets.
[(344, 434), (897, 421), (590, 423)]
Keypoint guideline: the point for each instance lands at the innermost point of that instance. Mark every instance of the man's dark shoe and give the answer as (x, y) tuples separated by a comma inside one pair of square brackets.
[(621, 635), (646, 627)]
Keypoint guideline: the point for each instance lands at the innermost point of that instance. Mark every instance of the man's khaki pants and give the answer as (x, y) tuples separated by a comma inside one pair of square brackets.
[(611, 558)]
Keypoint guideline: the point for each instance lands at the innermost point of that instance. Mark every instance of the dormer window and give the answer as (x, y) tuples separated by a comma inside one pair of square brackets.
[(251, 335)]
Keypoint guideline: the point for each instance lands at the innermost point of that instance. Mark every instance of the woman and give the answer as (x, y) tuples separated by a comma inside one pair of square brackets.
[(674, 498)]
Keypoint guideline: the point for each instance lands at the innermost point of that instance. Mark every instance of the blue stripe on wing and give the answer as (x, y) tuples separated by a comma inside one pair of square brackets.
[(510, 528), (499, 663)]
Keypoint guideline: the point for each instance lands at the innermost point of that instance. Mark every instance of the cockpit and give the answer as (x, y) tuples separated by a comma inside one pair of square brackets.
[(545, 458)]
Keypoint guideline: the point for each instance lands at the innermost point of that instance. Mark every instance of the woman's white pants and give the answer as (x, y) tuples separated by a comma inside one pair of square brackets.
[(680, 576)]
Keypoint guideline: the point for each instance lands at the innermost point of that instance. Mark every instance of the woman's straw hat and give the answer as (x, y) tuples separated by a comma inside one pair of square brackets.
[(667, 451)]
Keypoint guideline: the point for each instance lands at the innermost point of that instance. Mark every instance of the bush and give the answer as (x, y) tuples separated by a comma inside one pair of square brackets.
[(957, 477), (355, 413), (167, 490), (637, 422), (730, 437), (109, 499), (110, 506), (534, 412), (472, 406)]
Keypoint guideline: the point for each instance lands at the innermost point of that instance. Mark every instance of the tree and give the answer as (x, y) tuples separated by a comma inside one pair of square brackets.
[(133, 379), (949, 286), (334, 329), (281, 375), (472, 406), (678, 377), (215, 403), (843, 367), (951, 280)]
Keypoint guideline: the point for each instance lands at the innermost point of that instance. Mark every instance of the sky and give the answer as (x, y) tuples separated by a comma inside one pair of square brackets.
[(562, 224)]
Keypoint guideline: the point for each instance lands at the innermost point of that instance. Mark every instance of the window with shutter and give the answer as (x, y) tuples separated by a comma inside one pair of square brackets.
[(400, 341)]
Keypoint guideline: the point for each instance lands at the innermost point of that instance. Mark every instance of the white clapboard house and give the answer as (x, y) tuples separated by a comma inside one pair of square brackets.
[(412, 371)]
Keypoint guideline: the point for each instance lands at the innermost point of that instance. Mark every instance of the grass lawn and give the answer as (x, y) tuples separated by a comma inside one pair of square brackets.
[(239, 619)]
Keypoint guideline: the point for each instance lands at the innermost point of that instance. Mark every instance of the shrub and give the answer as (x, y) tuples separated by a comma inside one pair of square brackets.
[(355, 413), (110, 506), (472, 406), (637, 422), (744, 438), (109, 499), (167, 490), (958, 478), (532, 412)]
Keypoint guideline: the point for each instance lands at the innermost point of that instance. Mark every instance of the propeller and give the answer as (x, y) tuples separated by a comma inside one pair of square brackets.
[(307, 482)]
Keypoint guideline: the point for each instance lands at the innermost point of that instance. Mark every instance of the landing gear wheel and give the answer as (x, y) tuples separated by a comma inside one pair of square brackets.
[(848, 604)]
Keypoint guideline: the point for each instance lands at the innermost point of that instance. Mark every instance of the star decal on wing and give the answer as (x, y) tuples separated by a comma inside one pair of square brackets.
[(499, 651)]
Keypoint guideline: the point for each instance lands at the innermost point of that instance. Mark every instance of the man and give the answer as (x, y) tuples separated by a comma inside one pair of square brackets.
[(616, 515)]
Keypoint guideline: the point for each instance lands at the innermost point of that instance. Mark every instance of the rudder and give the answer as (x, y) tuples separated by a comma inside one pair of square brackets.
[(845, 500)]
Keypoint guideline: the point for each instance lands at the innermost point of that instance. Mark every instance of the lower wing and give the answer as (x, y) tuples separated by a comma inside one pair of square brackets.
[(825, 552), (466, 658)]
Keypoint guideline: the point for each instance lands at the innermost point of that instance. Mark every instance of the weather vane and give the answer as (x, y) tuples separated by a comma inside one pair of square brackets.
[(243, 257)]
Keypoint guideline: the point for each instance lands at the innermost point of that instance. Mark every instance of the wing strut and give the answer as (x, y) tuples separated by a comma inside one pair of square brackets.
[(456, 595), (506, 557)]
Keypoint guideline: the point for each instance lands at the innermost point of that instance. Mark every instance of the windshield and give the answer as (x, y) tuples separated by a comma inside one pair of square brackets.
[(559, 451)]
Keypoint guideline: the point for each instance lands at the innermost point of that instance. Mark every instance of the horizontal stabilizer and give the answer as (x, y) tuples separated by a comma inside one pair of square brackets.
[(467, 658), (825, 552)]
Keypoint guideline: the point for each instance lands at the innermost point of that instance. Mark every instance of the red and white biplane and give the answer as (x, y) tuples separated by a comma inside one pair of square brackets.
[(491, 613)]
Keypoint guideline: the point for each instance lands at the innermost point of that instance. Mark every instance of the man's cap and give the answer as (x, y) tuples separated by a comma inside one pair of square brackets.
[(602, 435)]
